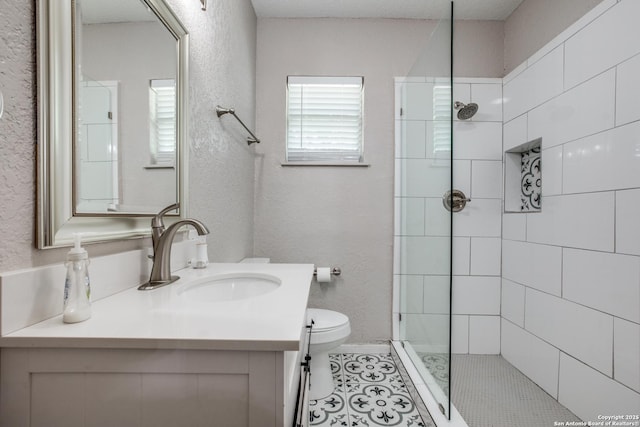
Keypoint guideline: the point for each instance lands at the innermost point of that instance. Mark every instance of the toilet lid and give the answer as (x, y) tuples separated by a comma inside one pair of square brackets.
[(325, 319)]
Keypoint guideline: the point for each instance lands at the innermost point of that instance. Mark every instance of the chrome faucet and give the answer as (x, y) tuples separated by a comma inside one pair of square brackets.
[(162, 240)]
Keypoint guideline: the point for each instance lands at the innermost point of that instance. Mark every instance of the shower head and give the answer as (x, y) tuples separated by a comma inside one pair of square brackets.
[(466, 111)]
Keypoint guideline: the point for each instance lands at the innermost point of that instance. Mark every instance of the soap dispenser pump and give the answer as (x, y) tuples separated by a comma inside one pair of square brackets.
[(77, 290)]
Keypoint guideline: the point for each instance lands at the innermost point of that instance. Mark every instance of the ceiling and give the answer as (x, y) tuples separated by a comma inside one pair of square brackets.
[(417, 9)]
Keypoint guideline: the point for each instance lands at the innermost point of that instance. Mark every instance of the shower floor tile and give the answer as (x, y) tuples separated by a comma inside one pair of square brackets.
[(368, 392), (490, 392)]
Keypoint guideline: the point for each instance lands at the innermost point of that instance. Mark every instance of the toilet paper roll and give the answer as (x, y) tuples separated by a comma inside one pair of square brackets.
[(323, 274)]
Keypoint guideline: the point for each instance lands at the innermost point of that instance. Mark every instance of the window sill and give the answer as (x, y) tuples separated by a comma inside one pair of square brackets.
[(340, 164)]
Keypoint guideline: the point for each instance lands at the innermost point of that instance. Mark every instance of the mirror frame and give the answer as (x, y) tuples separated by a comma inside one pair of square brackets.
[(56, 223)]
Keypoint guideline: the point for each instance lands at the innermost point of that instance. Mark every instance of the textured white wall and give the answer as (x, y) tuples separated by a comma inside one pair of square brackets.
[(335, 216), (535, 23), (222, 70)]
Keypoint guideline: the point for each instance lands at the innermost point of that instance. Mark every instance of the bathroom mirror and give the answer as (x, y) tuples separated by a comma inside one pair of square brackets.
[(112, 118)]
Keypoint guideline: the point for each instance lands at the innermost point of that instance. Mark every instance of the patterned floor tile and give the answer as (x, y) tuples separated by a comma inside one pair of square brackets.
[(330, 411), (369, 392), (370, 368), (381, 405)]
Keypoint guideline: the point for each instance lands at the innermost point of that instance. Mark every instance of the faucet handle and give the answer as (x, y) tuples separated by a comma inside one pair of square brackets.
[(157, 222)]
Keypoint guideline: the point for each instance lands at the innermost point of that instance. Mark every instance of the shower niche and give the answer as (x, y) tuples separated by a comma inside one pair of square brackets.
[(523, 178)]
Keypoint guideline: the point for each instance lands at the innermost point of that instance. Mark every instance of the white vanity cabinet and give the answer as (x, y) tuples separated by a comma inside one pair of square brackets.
[(160, 358), (50, 387)]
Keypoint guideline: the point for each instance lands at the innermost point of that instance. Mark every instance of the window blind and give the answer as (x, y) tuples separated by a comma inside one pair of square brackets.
[(162, 108), (441, 120), (324, 119)]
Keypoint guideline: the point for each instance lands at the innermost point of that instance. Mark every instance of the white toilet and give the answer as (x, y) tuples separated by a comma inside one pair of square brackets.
[(330, 329)]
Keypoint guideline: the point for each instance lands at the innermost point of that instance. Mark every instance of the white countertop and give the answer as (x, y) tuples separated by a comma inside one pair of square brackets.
[(164, 318)]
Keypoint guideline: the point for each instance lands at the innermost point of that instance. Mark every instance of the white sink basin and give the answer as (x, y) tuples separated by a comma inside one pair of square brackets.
[(230, 287)]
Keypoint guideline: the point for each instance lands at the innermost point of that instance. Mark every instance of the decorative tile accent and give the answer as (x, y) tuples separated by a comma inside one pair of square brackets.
[(369, 391), (531, 181)]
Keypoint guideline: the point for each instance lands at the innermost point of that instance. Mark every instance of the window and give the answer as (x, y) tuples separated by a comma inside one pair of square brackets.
[(162, 121), (324, 119)]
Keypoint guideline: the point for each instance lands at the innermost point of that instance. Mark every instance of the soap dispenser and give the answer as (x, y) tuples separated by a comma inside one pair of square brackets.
[(77, 290)]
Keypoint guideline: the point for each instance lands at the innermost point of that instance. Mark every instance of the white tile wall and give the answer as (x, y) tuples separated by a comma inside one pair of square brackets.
[(535, 358), (411, 294), (603, 43), (413, 139), (461, 255), (552, 172), (536, 266), (429, 178), (462, 93), (417, 101), (459, 334), (477, 140), (580, 220), (588, 393), (626, 353), (515, 132), (481, 217), (573, 29), (583, 333), (476, 295), (514, 226), (423, 250), (627, 90), (428, 330), (581, 111), (424, 255), (485, 256), (604, 281), (589, 220), (486, 179), (614, 154), (535, 85), (512, 302), (484, 334), (100, 148), (436, 294), (95, 102), (627, 214), (438, 221), (489, 100), (411, 216)]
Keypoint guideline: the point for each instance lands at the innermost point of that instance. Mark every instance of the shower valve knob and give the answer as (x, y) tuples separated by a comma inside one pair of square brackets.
[(455, 200)]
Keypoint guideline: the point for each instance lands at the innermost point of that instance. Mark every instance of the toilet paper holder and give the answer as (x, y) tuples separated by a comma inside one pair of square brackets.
[(335, 271)]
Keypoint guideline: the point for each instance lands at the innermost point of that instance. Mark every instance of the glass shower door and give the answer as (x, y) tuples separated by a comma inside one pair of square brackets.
[(424, 174)]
